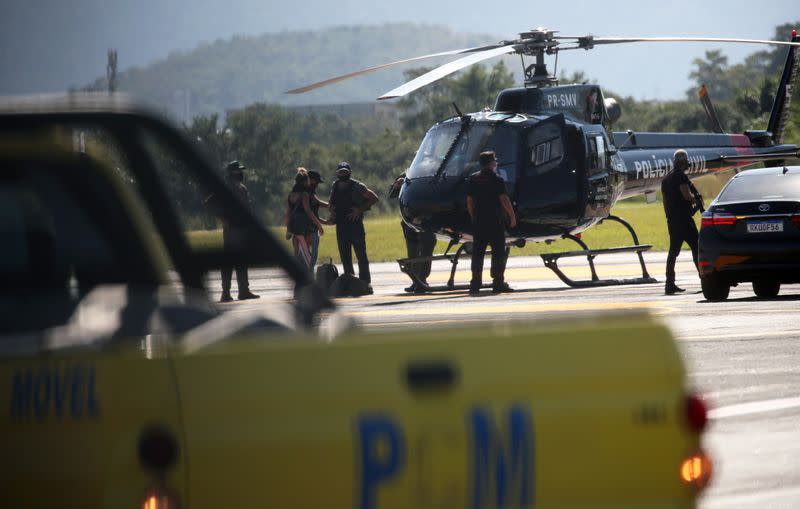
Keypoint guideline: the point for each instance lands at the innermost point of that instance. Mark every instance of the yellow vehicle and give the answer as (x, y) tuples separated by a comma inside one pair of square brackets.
[(117, 390)]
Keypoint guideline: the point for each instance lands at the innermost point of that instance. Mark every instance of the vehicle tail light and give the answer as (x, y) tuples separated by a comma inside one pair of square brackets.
[(696, 413), (796, 219), (158, 497), (696, 469), (715, 219)]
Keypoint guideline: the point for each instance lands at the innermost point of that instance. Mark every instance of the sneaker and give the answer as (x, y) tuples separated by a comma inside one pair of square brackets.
[(504, 288), (474, 291), (672, 289), (369, 290), (248, 295), (226, 297)]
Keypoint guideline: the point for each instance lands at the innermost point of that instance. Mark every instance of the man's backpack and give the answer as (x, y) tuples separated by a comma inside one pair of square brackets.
[(326, 276)]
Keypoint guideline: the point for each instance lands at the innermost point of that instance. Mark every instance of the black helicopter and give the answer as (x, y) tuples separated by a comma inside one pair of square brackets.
[(563, 164)]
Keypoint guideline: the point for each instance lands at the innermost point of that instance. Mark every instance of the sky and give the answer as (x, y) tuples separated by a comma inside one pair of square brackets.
[(52, 45)]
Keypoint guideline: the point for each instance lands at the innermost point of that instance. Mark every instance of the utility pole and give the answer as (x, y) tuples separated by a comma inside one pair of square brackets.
[(111, 71)]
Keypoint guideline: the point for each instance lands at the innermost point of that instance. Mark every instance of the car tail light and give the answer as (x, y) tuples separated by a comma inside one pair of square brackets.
[(715, 219), (158, 497), (796, 219), (696, 413), (696, 469)]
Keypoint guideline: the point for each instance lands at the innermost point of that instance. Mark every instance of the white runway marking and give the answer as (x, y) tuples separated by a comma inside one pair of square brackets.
[(754, 407)]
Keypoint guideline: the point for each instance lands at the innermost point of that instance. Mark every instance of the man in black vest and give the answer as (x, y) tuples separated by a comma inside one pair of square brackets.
[(419, 244), (679, 207), (234, 235), (348, 202), (487, 199)]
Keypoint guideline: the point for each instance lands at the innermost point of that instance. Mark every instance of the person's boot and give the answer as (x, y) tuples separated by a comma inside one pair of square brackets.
[(672, 289), (501, 287), (248, 295), (226, 297)]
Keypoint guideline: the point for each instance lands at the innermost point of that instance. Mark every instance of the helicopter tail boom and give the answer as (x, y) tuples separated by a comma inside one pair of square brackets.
[(780, 108)]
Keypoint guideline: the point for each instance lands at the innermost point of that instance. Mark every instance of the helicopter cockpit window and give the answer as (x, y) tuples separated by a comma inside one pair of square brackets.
[(464, 159), (433, 150)]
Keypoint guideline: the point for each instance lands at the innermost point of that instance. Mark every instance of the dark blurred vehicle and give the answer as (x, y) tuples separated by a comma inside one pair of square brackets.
[(751, 233), (93, 194)]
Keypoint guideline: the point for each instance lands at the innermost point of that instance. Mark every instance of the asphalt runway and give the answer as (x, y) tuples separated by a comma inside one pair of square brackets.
[(742, 354)]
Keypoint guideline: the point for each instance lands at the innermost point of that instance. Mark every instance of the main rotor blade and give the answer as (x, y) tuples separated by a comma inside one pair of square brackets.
[(343, 77), (593, 41), (443, 70)]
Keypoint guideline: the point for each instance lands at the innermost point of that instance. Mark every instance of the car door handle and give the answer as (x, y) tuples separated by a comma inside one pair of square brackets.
[(430, 375)]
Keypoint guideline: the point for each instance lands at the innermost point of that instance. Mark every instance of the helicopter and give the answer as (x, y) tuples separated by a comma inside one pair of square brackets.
[(563, 163)]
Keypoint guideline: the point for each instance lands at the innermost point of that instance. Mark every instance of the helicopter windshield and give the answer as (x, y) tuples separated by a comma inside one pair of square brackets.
[(464, 159), (433, 150)]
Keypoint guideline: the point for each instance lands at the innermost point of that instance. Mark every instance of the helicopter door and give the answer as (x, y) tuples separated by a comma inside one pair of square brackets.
[(547, 188), (597, 174)]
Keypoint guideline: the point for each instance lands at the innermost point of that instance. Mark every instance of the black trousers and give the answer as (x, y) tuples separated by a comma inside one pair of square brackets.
[(419, 244), (680, 231), (494, 237), (232, 239), (352, 236)]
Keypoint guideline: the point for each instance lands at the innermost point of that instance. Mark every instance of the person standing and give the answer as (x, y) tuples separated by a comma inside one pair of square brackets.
[(234, 235), (348, 201), (301, 222), (679, 207), (487, 200), (315, 179), (419, 244)]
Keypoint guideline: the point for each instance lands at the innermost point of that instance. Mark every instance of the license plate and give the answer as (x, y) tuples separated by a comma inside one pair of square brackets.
[(765, 227)]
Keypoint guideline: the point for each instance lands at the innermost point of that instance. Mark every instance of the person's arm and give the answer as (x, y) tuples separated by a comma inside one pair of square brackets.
[(310, 213), (322, 204), (509, 209), (471, 208), (687, 195), (371, 199)]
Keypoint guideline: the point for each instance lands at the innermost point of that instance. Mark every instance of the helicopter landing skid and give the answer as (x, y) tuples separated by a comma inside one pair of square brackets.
[(551, 260), (407, 265)]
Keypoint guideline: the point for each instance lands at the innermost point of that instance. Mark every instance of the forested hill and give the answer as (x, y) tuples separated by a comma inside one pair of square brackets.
[(233, 73)]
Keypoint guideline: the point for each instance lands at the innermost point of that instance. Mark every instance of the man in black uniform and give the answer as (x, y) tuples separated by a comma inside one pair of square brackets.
[(679, 207), (487, 199), (348, 202), (234, 236), (418, 245)]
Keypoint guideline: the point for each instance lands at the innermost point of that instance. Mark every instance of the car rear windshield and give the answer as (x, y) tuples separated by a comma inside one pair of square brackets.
[(777, 186)]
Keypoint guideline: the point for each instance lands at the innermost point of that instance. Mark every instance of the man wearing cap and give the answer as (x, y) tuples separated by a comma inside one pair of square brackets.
[(487, 200), (679, 207), (315, 179), (234, 235), (348, 202)]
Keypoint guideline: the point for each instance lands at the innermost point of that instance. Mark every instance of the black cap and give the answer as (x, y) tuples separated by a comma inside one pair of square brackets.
[(343, 166), (314, 174), (235, 166)]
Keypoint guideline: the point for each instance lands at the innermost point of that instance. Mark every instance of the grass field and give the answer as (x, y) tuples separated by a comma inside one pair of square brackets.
[(385, 237)]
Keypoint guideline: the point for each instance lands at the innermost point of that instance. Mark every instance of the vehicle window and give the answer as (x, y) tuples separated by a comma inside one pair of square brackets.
[(55, 236), (474, 140), (762, 187), (432, 150)]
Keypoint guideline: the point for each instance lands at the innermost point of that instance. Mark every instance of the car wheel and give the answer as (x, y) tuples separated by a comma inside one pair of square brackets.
[(766, 288), (714, 289)]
